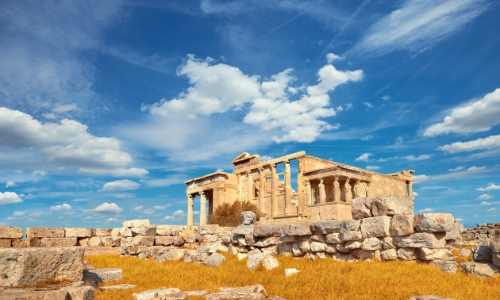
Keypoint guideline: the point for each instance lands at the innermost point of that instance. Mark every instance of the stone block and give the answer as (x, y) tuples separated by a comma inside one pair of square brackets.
[(291, 271), (31, 294), (20, 243), (143, 231), (34, 265), (270, 241), (5, 243), (376, 226), (333, 238), (484, 270), (78, 232), (433, 254), (448, 266), (287, 239), (304, 246), (327, 227), (298, 229), (318, 247), (330, 248), (173, 254), (102, 275), (407, 254), (371, 244), (389, 254), (136, 223), (352, 245), (94, 242), (401, 225), (270, 262), (455, 233), (209, 229), (267, 230), (164, 240), (79, 293), (434, 222), (162, 293), (421, 240), (243, 229), (8, 232), (350, 236), (189, 236), (482, 253), (108, 241), (361, 208), (102, 232), (125, 232), (41, 232), (190, 256), (392, 205), (388, 243), (164, 230), (214, 260), (59, 242)]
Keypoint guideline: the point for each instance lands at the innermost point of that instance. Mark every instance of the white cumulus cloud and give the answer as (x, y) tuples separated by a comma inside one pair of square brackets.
[(492, 141), (121, 185), (491, 187), (106, 208), (484, 197), (456, 169), (417, 158), (364, 157), (426, 210), (476, 116), (10, 184), (9, 197), (63, 206)]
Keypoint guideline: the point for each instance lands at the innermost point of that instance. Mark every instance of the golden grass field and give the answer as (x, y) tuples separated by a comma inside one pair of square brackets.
[(318, 279)]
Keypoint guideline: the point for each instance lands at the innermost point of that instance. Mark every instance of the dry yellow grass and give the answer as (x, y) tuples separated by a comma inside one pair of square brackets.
[(319, 279)]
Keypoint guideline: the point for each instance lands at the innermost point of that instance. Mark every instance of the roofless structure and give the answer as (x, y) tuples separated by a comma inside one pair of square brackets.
[(325, 189)]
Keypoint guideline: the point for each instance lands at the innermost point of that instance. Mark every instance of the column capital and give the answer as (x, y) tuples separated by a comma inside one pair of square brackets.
[(202, 193), (286, 161), (190, 196)]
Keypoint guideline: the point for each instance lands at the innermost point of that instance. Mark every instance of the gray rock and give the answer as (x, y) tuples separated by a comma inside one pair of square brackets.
[(31, 294), (79, 293), (214, 260), (376, 226), (421, 240), (267, 230), (401, 225), (270, 262), (318, 247), (350, 236), (371, 244), (136, 223), (434, 222), (248, 218), (392, 205), (363, 254), (296, 251), (484, 270), (155, 294), (243, 230), (270, 241), (388, 243), (389, 254), (352, 245), (433, 254), (325, 227), (495, 242), (304, 246), (144, 231), (250, 292), (189, 236), (173, 254), (496, 259), (298, 229), (208, 229), (102, 275), (361, 208), (447, 266), (190, 256), (254, 261), (407, 254), (455, 233), (291, 271), (333, 238), (482, 253)]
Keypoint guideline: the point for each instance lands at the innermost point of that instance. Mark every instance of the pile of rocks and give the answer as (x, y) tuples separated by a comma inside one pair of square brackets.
[(482, 232)]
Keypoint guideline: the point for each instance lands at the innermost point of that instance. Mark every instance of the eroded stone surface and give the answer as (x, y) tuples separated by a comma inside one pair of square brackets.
[(401, 225), (376, 226), (447, 266), (42, 232), (136, 223), (361, 208), (392, 205), (8, 232), (434, 222), (421, 240), (484, 270)]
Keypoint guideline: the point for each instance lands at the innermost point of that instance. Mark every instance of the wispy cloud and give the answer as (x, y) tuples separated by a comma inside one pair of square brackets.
[(418, 24)]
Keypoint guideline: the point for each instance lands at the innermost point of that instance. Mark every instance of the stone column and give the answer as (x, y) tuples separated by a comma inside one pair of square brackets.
[(203, 209), (250, 191), (347, 191), (262, 189), (322, 191), (336, 190), (410, 189), (274, 190), (357, 193), (190, 210), (288, 188)]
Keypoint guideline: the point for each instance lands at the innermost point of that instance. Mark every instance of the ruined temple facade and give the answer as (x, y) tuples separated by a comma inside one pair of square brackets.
[(325, 188)]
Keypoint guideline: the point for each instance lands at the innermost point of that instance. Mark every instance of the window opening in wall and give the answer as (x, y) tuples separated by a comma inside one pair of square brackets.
[(294, 170)]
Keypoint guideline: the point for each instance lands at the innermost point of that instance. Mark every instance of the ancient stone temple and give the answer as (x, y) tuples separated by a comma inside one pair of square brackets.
[(325, 188)]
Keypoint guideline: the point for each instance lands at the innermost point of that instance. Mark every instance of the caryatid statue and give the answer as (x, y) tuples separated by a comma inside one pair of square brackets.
[(322, 191), (357, 190), (336, 190), (347, 191)]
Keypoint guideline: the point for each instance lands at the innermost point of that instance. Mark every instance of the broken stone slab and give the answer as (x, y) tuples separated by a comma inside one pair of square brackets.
[(433, 254), (189, 236), (455, 233), (298, 229), (407, 254), (268, 230), (42, 232), (209, 229), (448, 266), (429, 297), (243, 230), (361, 208), (421, 240), (376, 226), (325, 227), (34, 265), (214, 260), (136, 223), (31, 294), (79, 293), (434, 222), (155, 294), (401, 225), (143, 231), (350, 236), (164, 240), (94, 242), (392, 205), (8, 232), (174, 254), (484, 270), (352, 245), (249, 292), (123, 286), (78, 232)]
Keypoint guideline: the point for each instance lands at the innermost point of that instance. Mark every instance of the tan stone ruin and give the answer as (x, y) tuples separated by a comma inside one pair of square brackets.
[(325, 188)]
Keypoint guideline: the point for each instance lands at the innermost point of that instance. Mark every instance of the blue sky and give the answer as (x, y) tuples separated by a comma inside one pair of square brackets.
[(106, 107)]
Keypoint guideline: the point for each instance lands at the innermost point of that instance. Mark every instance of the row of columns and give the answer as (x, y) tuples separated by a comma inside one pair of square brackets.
[(274, 187), (203, 209), (346, 188)]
